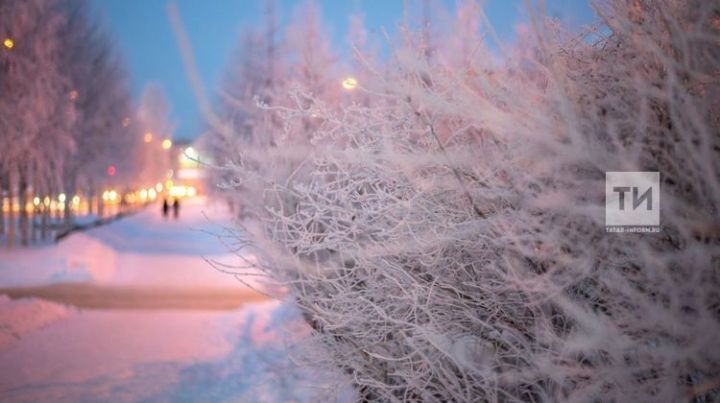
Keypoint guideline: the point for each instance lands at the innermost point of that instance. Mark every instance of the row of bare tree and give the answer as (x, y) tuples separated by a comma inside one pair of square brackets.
[(66, 118)]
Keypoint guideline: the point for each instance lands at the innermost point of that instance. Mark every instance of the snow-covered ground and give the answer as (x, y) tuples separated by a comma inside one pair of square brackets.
[(142, 249), (51, 351)]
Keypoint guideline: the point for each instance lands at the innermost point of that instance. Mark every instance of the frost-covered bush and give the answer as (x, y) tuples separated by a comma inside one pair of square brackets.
[(446, 237)]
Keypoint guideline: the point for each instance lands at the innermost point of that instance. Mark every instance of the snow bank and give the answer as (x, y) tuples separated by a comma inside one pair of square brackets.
[(236, 356), (143, 249), (79, 258), (19, 317)]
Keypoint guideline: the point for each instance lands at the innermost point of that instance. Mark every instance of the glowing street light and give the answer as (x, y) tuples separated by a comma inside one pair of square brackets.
[(148, 137), (9, 43), (350, 83), (166, 144), (189, 158)]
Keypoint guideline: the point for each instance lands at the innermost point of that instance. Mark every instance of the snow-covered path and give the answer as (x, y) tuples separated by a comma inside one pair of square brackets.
[(144, 249), (161, 333), (143, 261)]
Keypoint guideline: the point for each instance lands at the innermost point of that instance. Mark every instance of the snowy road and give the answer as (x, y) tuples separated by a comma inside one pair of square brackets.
[(133, 312)]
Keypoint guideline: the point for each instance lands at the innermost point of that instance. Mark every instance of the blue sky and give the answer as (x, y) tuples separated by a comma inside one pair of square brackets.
[(145, 38)]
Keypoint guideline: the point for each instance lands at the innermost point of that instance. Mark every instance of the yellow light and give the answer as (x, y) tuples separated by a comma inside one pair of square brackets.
[(9, 43), (106, 195), (166, 144), (112, 195), (189, 158), (159, 187), (178, 191), (46, 201), (61, 197), (76, 200), (349, 83), (152, 194), (61, 206), (168, 184), (36, 201), (191, 191), (148, 137), (143, 195)]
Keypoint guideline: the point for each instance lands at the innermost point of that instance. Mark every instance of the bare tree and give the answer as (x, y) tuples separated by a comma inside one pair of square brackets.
[(62, 113)]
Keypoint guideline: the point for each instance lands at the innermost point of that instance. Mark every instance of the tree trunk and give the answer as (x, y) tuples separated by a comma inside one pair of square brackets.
[(70, 189), (68, 216), (33, 219), (101, 207), (2, 204), (91, 199), (24, 219), (44, 223), (11, 213), (33, 229)]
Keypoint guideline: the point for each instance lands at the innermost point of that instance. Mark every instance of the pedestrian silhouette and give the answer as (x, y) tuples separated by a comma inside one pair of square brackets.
[(176, 208), (165, 208)]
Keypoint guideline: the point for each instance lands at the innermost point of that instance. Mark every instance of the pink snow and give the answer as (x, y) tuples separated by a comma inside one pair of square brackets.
[(26, 315), (49, 351), (158, 356), (144, 249)]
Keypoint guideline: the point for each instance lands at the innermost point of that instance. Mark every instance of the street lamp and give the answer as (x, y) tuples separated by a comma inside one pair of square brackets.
[(148, 137), (166, 144), (9, 43), (350, 83)]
